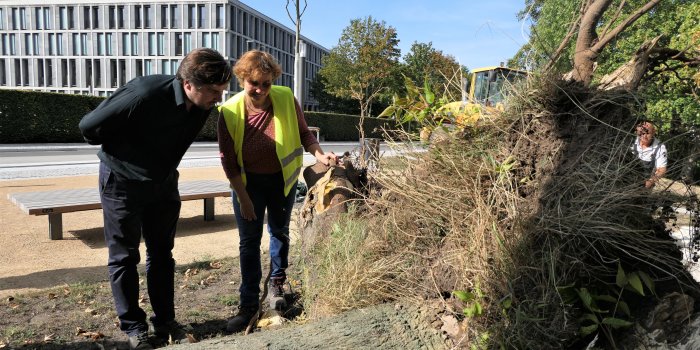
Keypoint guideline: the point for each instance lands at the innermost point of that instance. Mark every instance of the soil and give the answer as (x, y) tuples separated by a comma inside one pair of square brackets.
[(55, 294)]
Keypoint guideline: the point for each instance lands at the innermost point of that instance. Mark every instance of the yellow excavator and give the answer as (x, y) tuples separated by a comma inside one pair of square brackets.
[(488, 88)]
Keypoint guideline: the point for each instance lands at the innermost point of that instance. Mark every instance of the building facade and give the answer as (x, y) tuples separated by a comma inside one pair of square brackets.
[(93, 47)]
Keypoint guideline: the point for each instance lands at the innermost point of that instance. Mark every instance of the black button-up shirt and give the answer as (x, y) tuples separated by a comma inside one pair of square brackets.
[(144, 128)]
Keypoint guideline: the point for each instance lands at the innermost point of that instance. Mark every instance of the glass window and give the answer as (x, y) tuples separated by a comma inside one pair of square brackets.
[(4, 41), (40, 72), (219, 16), (122, 72), (64, 72), (112, 17), (178, 44), (187, 43), (59, 44), (18, 73), (215, 41), (71, 18), (164, 16), (86, 17), (191, 15), (47, 18), (25, 72), (174, 17), (206, 40), (52, 44), (161, 44), (23, 18), (3, 76), (100, 44), (137, 16), (2, 22), (15, 18), (126, 44), (165, 67), (95, 17), (147, 16), (121, 15), (108, 44), (62, 17), (202, 20), (113, 73), (76, 44), (98, 72), (35, 44), (27, 44), (72, 72), (147, 67), (13, 47), (49, 72), (134, 44), (38, 22), (138, 65), (83, 44), (88, 73), (151, 44)]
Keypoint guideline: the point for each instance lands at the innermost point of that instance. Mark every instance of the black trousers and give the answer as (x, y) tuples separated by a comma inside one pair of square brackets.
[(131, 210)]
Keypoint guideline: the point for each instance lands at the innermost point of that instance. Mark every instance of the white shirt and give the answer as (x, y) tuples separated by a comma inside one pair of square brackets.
[(656, 150)]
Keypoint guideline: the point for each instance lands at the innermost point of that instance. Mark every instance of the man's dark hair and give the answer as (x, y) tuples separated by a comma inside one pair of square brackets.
[(204, 66)]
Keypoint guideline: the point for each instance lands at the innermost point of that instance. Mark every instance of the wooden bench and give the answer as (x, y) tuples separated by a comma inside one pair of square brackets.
[(55, 203)]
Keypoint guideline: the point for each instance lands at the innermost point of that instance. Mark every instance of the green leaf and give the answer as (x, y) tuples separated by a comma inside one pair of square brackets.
[(636, 283), (621, 278), (585, 297), (624, 308), (477, 308), (590, 317), (588, 301), (588, 329), (507, 303), (616, 322), (647, 281), (463, 295), (388, 112), (429, 95)]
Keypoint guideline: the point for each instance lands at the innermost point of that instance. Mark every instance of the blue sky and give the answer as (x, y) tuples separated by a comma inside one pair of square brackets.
[(477, 33)]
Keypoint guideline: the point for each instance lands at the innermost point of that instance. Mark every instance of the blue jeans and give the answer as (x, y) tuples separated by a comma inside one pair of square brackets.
[(133, 209), (266, 191)]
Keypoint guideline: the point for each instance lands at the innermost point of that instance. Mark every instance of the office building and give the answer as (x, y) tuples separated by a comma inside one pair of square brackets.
[(93, 47)]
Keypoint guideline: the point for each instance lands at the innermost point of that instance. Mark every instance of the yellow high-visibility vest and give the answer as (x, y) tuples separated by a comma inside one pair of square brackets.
[(287, 140)]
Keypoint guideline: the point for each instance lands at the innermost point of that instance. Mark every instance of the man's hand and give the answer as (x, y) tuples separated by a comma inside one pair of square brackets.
[(247, 208)]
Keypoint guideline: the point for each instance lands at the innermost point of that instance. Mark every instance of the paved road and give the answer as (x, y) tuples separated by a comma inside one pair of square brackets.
[(51, 160)]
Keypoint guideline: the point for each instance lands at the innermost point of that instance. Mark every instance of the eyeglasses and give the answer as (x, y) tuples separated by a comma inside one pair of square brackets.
[(264, 84)]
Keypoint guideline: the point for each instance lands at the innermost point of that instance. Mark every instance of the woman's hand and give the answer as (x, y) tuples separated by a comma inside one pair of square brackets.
[(329, 159)]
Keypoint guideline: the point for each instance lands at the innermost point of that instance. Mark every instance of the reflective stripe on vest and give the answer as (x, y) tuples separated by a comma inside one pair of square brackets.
[(287, 141)]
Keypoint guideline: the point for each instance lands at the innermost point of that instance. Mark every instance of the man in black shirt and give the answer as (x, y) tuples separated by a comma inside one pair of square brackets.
[(145, 128)]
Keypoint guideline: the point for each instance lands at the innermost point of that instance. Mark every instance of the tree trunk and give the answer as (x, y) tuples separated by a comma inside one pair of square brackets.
[(629, 75)]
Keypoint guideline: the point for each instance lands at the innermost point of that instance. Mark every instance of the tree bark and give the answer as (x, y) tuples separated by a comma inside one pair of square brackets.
[(589, 45)]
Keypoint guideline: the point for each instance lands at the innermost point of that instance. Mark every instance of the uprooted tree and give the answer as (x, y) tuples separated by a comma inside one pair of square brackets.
[(534, 219)]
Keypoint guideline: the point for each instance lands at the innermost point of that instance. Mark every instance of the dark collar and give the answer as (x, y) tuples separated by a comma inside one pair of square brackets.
[(180, 97)]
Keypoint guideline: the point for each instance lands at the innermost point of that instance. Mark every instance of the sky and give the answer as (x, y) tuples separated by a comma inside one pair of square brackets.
[(478, 33)]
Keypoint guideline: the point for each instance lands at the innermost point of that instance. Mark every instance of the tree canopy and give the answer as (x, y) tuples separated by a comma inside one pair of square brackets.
[(363, 63)]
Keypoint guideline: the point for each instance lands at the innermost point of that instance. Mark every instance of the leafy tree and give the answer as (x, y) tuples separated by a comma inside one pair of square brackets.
[(443, 72), (363, 64)]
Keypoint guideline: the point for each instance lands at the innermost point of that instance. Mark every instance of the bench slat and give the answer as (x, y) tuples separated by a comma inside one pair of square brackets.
[(65, 201)]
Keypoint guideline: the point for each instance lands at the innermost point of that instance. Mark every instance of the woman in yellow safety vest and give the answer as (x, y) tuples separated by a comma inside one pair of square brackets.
[(261, 133)]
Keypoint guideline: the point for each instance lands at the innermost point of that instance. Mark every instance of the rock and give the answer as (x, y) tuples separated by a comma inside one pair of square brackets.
[(669, 316)]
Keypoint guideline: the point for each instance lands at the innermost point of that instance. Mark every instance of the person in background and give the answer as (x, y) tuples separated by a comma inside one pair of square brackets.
[(651, 152), (145, 128), (261, 133)]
